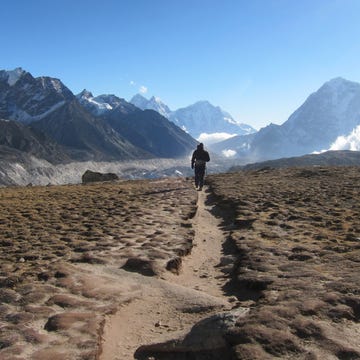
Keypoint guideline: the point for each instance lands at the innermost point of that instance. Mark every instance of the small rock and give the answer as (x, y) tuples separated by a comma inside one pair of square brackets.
[(232, 299), (227, 260), (141, 266), (174, 265)]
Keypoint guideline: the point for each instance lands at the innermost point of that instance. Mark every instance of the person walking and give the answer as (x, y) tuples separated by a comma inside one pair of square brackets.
[(198, 161)]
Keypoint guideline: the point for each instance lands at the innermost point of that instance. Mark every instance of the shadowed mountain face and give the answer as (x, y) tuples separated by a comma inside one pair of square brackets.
[(16, 138), (89, 137), (153, 133)]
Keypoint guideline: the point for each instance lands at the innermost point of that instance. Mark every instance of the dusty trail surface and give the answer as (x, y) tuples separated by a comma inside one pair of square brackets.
[(168, 307)]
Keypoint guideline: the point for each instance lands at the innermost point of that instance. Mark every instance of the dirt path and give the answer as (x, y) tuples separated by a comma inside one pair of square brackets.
[(170, 306)]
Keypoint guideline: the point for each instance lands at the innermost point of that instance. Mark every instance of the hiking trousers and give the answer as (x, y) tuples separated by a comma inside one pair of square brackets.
[(199, 175)]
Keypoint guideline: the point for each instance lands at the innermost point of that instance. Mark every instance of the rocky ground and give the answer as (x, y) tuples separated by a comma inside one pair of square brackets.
[(262, 264)]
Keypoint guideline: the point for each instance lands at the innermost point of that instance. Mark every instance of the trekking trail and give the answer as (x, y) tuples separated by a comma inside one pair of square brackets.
[(169, 306)]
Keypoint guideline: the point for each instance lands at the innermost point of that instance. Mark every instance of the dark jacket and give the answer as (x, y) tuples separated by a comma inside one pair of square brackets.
[(199, 157)]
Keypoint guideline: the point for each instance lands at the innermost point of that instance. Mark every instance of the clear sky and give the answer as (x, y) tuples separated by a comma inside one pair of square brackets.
[(257, 59)]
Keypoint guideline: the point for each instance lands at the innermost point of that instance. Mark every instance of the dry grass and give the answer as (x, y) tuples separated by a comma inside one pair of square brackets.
[(58, 245), (298, 236), (296, 264)]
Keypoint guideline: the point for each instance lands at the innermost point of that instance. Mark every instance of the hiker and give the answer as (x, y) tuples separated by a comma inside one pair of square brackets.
[(199, 159)]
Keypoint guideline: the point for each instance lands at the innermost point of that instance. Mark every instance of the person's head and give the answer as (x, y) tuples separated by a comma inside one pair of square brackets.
[(200, 146)]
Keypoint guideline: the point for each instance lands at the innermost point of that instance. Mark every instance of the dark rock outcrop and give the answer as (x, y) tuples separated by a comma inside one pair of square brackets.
[(93, 176)]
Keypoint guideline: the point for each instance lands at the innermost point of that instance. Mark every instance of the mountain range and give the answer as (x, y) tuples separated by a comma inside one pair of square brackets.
[(199, 118), (196, 119), (71, 128), (330, 112), (43, 123)]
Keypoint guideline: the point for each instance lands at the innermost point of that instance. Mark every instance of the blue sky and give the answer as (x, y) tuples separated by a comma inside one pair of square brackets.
[(257, 59)]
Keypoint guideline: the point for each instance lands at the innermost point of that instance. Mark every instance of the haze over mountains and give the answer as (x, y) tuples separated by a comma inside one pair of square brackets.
[(327, 114), (43, 124)]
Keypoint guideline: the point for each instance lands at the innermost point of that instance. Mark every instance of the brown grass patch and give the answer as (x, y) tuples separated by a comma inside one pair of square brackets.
[(57, 249)]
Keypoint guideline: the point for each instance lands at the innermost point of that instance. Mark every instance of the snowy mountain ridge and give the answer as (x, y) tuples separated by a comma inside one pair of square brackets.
[(28, 99), (12, 76), (103, 104), (67, 127), (98, 105), (154, 103), (196, 119)]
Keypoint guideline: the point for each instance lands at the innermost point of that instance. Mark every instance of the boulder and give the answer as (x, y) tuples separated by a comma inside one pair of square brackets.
[(93, 176)]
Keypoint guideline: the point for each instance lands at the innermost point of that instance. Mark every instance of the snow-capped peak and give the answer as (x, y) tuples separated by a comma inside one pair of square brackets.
[(154, 103), (14, 75), (340, 85), (139, 101), (85, 94), (336, 82), (95, 104), (156, 99), (203, 117), (53, 84)]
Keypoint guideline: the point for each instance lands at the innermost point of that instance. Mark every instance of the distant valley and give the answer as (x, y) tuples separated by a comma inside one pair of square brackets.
[(44, 127)]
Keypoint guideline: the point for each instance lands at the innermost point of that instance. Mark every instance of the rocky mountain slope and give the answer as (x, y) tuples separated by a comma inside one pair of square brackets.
[(55, 126), (78, 124), (28, 99), (87, 137), (16, 137), (102, 104), (330, 112), (153, 133)]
